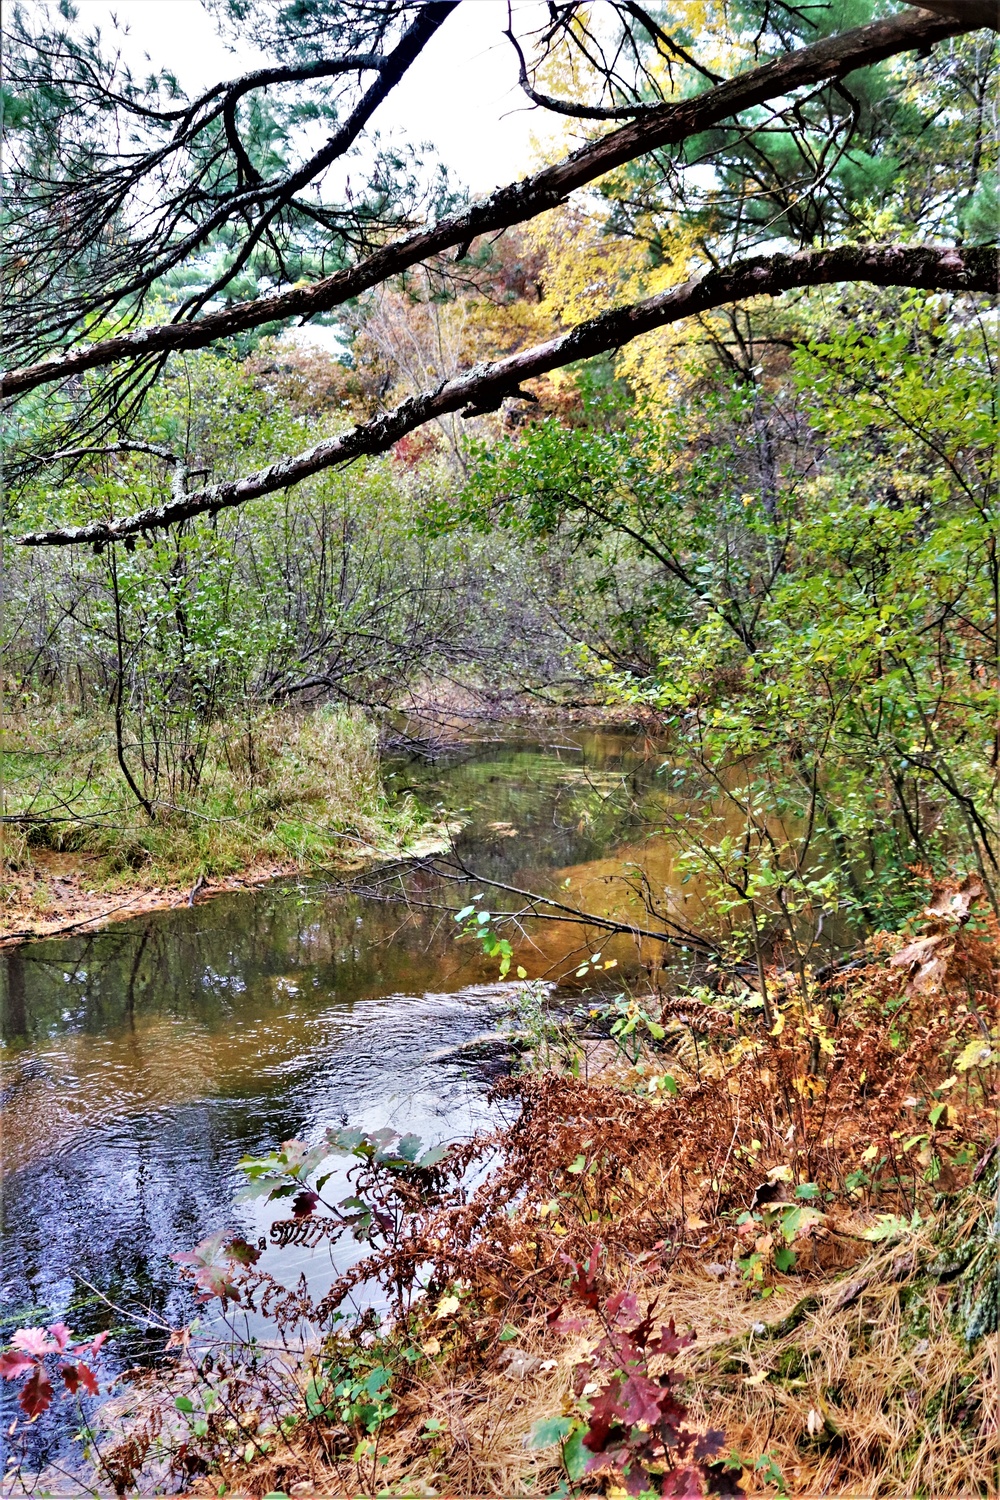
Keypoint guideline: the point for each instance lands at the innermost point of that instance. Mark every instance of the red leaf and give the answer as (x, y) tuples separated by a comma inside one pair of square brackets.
[(14, 1363), (672, 1415), (37, 1394), (639, 1400), (604, 1416), (242, 1251), (60, 1335), (33, 1341), (559, 1324), (71, 1376), (88, 1379), (683, 1482), (613, 1459), (303, 1203), (710, 1443), (217, 1282), (624, 1305), (637, 1480), (584, 1283), (670, 1341)]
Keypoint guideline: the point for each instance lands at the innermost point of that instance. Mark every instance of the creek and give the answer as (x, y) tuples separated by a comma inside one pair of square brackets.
[(142, 1061)]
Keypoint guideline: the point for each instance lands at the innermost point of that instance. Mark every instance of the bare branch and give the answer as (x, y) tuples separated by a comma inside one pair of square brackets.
[(566, 106), (975, 269), (827, 60), (221, 186), (107, 449)]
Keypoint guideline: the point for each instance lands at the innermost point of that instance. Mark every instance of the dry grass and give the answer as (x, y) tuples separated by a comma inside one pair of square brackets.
[(878, 1398)]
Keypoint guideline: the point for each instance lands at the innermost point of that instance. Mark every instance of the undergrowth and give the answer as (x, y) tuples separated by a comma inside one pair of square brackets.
[(705, 1256), (296, 789)]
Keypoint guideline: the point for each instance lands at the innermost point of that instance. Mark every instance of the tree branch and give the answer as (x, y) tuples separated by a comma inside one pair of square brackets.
[(827, 60), (975, 269), (566, 106), (974, 15)]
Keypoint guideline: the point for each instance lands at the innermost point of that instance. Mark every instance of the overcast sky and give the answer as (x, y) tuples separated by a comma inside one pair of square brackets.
[(461, 94)]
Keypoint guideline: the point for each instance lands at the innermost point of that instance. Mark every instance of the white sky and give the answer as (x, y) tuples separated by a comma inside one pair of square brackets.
[(461, 93)]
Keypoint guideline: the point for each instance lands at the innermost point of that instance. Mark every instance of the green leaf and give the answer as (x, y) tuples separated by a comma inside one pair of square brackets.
[(575, 1455), (807, 1190), (891, 1227), (784, 1258), (507, 1333), (377, 1380), (184, 1403), (261, 1187), (549, 1430)]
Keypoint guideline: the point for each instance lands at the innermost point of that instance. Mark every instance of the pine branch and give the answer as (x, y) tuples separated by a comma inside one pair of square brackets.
[(827, 60)]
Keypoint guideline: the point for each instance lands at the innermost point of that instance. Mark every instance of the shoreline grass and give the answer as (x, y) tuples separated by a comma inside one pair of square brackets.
[(304, 790)]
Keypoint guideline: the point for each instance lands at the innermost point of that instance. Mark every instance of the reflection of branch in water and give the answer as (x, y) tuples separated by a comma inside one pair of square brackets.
[(537, 907)]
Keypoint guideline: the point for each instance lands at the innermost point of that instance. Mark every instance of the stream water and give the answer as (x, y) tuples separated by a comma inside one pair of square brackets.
[(141, 1062)]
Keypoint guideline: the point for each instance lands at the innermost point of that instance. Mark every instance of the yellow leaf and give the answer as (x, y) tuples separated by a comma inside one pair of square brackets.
[(757, 1379), (432, 1346), (779, 1024), (447, 1306), (974, 1055)]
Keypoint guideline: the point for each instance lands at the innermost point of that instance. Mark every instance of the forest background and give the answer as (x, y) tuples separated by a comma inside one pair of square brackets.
[(695, 425), (770, 525)]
